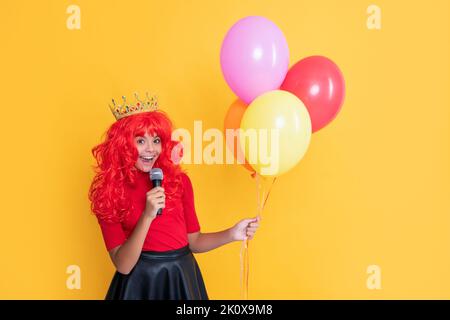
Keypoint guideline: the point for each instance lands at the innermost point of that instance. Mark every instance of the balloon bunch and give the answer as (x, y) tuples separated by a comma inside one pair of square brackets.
[(297, 101)]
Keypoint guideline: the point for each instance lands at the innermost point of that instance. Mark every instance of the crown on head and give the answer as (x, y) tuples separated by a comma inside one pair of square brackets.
[(127, 109)]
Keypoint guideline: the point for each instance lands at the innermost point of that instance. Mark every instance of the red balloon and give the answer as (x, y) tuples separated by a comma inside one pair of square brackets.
[(319, 83)]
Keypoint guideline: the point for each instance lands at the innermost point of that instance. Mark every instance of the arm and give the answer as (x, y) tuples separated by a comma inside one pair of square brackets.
[(125, 256), (203, 242)]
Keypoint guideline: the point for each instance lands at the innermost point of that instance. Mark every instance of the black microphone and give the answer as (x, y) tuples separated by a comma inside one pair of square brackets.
[(156, 176)]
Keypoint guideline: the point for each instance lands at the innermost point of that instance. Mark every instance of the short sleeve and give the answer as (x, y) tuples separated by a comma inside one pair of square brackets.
[(190, 215), (113, 234)]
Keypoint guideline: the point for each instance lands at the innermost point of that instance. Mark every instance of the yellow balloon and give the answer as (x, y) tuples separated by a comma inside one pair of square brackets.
[(275, 132)]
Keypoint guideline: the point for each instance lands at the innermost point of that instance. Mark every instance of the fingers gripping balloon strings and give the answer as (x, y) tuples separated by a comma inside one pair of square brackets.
[(244, 255)]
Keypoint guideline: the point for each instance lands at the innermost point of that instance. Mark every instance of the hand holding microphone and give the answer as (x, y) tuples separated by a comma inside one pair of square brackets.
[(156, 198)]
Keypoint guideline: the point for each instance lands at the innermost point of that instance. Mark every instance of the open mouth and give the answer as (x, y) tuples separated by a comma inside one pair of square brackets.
[(147, 159)]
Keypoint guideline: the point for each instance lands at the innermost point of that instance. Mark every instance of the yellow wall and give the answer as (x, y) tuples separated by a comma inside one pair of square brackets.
[(373, 188)]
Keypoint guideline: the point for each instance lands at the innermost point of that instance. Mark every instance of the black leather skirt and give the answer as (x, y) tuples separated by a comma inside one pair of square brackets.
[(168, 275)]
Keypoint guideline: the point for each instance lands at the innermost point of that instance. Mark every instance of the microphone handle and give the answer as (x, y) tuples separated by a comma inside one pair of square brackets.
[(157, 183)]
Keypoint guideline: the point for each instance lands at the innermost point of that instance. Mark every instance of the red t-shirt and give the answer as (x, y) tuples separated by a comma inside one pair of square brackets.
[(167, 231)]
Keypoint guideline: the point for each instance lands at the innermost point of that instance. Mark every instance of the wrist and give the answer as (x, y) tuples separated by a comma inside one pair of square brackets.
[(147, 217), (230, 235)]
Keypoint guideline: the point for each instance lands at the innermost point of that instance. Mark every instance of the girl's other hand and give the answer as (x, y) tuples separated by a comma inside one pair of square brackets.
[(244, 229)]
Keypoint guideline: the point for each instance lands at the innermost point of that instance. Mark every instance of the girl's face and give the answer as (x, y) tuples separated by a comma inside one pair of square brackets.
[(149, 148)]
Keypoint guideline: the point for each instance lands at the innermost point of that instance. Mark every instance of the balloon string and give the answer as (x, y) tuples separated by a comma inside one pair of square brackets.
[(244, 269), (244, 255), (268, 193)]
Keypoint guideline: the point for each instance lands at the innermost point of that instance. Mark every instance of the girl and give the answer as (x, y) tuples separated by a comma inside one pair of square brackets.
[(151, 253)]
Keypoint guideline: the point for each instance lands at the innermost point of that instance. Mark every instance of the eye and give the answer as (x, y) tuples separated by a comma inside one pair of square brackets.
[(140, 141), (157, 140)]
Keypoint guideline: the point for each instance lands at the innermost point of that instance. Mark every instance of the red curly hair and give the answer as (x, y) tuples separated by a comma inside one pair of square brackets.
[(116, 158)]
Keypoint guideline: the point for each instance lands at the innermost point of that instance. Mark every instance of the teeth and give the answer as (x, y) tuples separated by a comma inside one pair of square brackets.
[(147, 158)]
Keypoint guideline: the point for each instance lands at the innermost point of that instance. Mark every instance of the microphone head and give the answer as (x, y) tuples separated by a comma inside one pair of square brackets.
[(156, 174)]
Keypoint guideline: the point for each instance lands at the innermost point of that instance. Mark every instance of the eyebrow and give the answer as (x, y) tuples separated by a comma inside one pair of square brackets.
[(138, 136)]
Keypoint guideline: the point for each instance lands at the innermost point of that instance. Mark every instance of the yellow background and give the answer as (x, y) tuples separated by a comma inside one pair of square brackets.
[(373, 187)]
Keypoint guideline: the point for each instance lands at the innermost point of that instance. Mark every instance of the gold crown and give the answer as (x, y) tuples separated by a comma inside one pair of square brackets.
[(126, 109)]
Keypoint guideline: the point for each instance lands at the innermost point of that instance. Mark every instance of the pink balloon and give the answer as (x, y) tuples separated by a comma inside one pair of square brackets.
[(254, 57), (319, 83)]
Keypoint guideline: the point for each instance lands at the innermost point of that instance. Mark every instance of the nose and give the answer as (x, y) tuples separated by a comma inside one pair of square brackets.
[(149, 147)]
